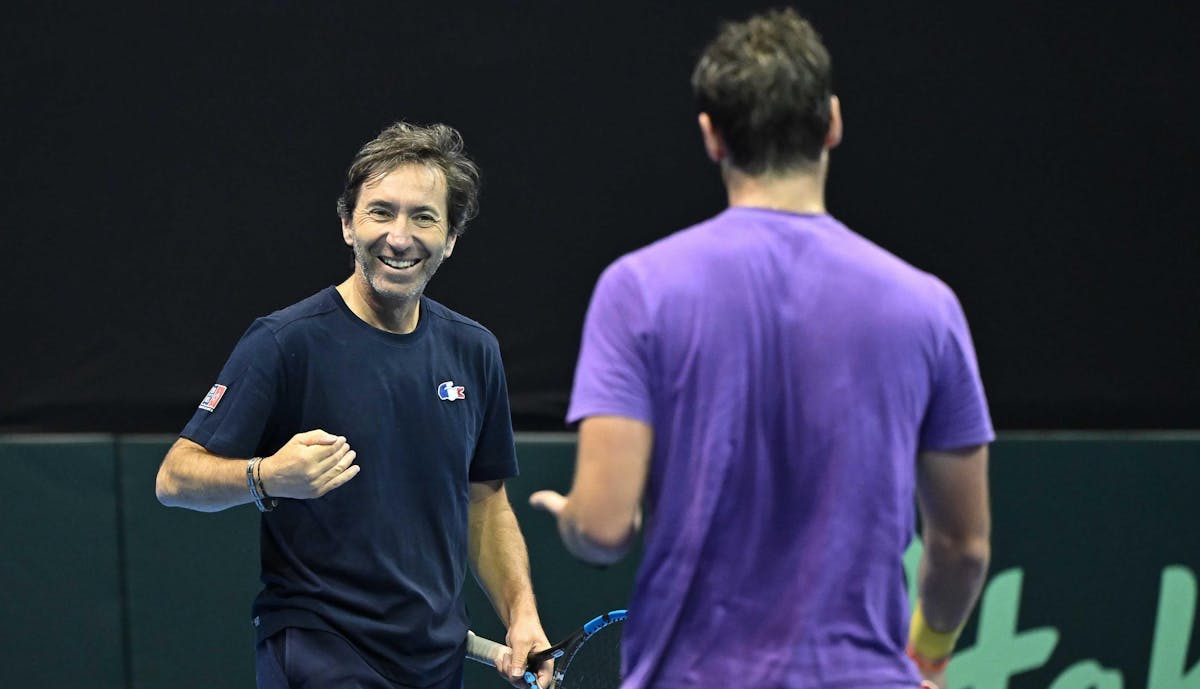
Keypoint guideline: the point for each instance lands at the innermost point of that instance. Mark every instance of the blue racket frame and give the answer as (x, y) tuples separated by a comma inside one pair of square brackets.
[(557, 650)]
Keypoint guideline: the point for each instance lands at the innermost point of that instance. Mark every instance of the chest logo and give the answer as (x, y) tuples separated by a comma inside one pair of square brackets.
[(449, 391)]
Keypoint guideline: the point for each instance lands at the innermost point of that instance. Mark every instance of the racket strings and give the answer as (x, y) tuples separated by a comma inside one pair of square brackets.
[(595, 663)]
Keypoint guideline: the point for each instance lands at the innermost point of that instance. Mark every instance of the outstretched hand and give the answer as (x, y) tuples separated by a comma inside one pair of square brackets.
[(308, 466), (549, 501)]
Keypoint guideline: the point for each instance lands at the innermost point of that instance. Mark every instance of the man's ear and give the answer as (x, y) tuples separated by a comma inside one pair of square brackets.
[(450, 242), (834, 136), (347, 232), (714, 145)]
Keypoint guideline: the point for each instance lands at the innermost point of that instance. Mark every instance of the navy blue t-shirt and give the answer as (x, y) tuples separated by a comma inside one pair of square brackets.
[(382, 559)]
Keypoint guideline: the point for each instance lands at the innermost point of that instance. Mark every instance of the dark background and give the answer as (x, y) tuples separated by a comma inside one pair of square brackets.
[(169, 173)]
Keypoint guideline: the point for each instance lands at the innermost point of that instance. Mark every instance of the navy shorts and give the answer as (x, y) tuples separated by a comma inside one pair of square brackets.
[(295, 658)]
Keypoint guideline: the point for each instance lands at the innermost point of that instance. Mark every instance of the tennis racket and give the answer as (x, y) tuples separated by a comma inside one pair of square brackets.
[(591, 655)]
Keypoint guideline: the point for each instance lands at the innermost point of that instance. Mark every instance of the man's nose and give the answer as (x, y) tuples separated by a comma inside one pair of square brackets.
[(400, 235)]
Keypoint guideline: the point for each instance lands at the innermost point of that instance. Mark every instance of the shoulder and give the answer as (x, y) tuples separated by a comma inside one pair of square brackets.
[(450, 323), (288, 327), (677, 246), (301, 313), (657, 259), (901, 277)]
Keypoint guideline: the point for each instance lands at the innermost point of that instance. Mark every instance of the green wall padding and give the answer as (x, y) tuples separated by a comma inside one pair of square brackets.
[(1096, 551), (60, 590), (191, 578)]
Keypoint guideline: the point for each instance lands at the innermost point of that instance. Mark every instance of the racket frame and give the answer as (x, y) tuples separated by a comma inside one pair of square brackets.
[(486, 651), (572, 643)]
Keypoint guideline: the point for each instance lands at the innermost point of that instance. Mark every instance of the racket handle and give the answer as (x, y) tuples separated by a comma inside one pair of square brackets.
[(483, 650)]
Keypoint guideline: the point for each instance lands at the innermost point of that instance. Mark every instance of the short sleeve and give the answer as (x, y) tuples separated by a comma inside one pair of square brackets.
[(234, 415), (612, 375), (495, 450), (957, 413)]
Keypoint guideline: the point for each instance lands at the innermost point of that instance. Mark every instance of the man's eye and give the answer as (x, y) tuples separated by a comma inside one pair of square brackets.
[(425, 219), (378, 214)]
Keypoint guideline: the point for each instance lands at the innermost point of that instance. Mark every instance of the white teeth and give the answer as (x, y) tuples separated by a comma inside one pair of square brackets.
[(395, 263)]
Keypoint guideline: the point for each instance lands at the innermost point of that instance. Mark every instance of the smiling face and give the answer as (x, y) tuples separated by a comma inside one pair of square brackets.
[(399, 229)]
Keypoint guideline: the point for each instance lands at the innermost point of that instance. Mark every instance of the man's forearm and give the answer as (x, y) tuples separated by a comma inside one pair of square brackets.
[(500, 558), (593, 548), (193, 478), (600, 517), (952, 494), (952, 574)]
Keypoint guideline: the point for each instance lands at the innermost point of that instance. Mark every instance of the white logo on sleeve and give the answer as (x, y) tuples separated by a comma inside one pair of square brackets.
[(449, 391)]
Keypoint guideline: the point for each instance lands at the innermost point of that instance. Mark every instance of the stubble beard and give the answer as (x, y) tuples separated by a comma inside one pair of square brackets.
[(383, 289)]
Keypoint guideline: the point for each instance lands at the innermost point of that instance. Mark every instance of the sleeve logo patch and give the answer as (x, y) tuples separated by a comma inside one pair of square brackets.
[(213, 398), (449, 391)]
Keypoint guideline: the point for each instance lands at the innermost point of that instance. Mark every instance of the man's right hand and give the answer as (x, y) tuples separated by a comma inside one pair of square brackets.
[(308, 466)]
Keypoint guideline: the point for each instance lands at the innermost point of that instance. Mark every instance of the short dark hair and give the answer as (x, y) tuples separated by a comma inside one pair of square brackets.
[(438, 146), (766, 84)]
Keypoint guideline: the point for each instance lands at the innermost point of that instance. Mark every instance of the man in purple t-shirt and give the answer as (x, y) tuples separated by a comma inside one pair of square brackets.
[(777, 389)]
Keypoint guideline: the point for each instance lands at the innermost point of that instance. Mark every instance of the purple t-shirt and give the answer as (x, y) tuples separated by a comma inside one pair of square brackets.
[(792, 370)]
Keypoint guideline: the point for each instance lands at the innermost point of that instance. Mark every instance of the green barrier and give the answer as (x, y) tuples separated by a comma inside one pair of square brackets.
[(1096, 545), (191, 577), (1096, 550), (61, 596)]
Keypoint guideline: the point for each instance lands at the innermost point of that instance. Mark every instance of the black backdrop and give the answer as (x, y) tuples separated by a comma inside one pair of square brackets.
[(169, 173)]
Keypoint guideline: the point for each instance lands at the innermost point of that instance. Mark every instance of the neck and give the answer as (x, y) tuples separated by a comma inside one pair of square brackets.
[(798, 191), (395, 316)]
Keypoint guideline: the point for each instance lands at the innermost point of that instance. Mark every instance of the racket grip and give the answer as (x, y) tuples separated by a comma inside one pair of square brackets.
[(483, 650)]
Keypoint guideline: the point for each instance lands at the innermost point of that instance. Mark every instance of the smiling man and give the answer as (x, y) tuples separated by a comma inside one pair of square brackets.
[(400, 236), (370, 426)]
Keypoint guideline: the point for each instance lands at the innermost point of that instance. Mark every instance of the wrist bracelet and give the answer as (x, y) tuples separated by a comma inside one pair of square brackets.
[(262, 489), (925, 665), (254, 483), (925, 642)]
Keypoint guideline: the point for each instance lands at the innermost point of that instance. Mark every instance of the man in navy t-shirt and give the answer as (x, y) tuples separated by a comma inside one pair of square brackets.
[(371, 427), (778, 388)]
